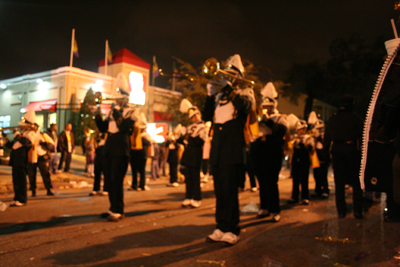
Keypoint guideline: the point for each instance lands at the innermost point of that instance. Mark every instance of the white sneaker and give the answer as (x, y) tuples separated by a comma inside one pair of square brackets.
[(186, 202), (17, 204), (254, 189), (276, 217), (262, 213), (104, 193), (216, 236), (230, 238), (93, 193), (195, 203), (176, 184), (114, 217), (146, 188)]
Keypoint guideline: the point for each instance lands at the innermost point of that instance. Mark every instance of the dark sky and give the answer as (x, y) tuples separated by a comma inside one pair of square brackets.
[(273, 34)]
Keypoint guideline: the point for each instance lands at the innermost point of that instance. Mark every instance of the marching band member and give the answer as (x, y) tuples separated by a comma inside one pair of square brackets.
[(172, 156), (118, 125), (19, 160), (321, 172), (267, 153), (228, 110), (303, 144), (193, 141)]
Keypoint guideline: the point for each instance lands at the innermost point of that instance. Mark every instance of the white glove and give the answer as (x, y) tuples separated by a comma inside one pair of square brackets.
[(183, 130)]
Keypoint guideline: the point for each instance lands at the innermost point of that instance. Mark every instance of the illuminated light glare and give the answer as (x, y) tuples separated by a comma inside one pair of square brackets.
[(43, 86), (3, 86), (22, 110), (39, 80), (99, 82), (153, 132), (136, 81)]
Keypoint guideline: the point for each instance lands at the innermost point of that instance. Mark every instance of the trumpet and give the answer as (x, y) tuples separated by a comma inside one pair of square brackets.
[(99, 99)]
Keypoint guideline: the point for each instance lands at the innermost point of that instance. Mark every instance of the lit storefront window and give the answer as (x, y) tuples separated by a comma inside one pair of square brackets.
[(136, 81)]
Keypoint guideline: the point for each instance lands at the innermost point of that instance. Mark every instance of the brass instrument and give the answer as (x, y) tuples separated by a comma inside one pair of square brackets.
[(99, 99), (211, 69)]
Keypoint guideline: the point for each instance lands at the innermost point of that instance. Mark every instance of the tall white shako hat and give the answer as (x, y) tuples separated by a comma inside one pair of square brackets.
[(28, 119), (123, 89), (234, 66), (300, 124), (312, 119), (292, 120), (269, 95), (187, 107)]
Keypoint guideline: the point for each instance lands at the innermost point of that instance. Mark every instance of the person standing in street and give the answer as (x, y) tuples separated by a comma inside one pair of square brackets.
[(228, 110), (267, 153), (53, 161), (193, 142), (66, 144), (19, 160), (118, 125), (343, 136)]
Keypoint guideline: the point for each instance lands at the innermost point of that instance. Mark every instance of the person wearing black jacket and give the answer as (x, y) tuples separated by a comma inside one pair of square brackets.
[(118, 126), (343, 141), (229, 113), (19, 160), (66, 145), (192, 156)]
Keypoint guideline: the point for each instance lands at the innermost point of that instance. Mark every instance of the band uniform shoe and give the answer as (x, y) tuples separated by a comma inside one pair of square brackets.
[(17, 204), (115, 217), (305, 202), (105, 214), (93, 193), (324, 195), (186, 203), (216, 236), (262, 214), (254, 189), (229, 238), (146, 188), (358, 215), (104, 193), (195, 203), (132, 188), (342, 215), (33, 193), (49, 193), (276, 217), (292, 201)]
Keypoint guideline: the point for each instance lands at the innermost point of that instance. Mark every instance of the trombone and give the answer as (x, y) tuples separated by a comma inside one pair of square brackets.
[(210, 71)]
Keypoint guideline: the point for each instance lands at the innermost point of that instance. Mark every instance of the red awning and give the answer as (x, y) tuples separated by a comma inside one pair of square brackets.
[(162, 116), (49, 105)]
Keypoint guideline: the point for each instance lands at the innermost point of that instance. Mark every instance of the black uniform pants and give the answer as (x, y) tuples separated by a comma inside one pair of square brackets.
[(346, 168), (173, 172), (321, 179), (249, 169), (268, 176), (138, 164), (192, 180), (43, 166), (114, 173), (99, 164), (226, 183), (65, 156), (300, 177), (19, 183)]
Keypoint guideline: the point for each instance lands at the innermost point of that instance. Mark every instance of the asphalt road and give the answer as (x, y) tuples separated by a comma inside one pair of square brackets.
[(66, 230)]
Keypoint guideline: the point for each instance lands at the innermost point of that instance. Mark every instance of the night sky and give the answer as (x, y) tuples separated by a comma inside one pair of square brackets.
[(273, 34)]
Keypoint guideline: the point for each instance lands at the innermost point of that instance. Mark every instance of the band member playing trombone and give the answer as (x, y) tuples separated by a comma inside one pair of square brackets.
[(118, 126), (228, 110)]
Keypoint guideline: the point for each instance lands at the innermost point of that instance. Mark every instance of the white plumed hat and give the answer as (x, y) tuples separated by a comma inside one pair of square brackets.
[(235, 63), (187, 107), (29, 118)]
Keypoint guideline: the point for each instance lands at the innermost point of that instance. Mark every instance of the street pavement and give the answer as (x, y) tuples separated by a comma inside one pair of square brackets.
[(67, 230)]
